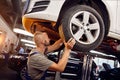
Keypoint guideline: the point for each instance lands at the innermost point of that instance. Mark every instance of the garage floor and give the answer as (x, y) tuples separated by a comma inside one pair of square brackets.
[(8, 74)]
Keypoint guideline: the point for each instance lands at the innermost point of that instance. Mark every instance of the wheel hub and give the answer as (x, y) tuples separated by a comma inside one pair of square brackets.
[(86, 28)]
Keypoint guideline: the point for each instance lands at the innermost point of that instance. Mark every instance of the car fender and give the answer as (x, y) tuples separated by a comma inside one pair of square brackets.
[(112, 11), (50, 13)]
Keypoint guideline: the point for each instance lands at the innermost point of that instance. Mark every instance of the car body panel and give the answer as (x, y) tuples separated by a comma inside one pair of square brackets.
[(113, 7), (115, 33), (112, 10), (118, 18), (50, 13)]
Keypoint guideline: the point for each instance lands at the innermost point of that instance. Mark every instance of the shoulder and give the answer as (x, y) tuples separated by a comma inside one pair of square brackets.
[(37, 56)]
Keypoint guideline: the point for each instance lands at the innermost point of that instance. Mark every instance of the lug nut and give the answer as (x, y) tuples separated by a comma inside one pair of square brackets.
[(87, 24)]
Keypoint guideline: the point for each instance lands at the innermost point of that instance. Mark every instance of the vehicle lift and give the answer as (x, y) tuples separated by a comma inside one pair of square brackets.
[(87, 65)]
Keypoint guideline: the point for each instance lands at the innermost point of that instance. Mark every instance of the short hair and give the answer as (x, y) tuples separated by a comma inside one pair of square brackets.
[(37, 33), (37, 37)]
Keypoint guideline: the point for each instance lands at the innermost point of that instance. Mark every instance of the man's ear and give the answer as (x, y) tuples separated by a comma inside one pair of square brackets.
[(42, 41)]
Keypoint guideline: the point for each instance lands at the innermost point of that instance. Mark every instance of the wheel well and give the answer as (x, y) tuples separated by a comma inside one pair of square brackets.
[(96, 4), (67, 4), (101, 8)]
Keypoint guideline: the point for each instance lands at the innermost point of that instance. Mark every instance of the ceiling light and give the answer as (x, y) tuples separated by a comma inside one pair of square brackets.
[(100, 53), (27, 41), (21, 31), (30, 45)]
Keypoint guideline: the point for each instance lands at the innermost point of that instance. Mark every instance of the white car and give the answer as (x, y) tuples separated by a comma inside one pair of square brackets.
[(87, 21)]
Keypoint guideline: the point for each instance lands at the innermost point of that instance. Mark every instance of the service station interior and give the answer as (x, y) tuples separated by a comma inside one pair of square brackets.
[(102, 63)]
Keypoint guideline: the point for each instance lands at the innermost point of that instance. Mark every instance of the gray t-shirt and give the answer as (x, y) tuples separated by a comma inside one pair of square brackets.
[(37, 65)]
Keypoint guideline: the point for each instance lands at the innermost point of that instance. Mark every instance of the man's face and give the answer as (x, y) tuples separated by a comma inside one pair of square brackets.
[(47, 40)]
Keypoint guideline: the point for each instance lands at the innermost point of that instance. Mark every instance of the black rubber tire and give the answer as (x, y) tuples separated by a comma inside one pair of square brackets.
[(24, 74), (65, 33)]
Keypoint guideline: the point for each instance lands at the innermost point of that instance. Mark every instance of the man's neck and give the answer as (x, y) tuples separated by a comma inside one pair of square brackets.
[(41, 49)]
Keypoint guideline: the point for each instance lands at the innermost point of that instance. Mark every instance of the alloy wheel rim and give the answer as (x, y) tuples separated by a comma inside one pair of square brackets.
[(85, 27)]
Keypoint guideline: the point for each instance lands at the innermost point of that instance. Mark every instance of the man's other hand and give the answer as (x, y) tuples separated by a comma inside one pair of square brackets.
[(70, 43)]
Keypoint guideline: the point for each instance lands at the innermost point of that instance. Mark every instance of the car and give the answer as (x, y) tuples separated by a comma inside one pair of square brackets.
[(8, 68), (87, 21), (18, 63)]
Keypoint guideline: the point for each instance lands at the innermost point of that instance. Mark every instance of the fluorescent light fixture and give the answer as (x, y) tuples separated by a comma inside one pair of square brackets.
[(93, 51), (21, 31), (27, 41), (30, 45), (23, 0)]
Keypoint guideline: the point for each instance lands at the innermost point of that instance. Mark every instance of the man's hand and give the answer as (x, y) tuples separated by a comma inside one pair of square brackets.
[(70, 43), (60, 66)]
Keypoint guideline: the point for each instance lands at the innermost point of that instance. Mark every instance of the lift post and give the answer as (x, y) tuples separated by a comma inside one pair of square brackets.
[(88, 60), (87, 66)]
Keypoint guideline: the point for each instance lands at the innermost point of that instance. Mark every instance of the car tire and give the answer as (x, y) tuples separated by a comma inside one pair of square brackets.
[(24, 74), (85, 25)]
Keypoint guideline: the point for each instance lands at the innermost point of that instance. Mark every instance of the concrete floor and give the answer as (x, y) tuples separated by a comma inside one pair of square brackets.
[(8, 74)]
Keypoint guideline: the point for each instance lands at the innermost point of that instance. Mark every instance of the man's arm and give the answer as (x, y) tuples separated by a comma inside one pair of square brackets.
[(60, 66), (55, 46)]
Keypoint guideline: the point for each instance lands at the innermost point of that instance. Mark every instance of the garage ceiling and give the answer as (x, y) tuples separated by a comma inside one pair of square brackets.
[(11, 10)]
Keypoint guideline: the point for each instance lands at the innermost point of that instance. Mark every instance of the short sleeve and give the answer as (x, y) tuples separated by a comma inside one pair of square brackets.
[(40, 62)]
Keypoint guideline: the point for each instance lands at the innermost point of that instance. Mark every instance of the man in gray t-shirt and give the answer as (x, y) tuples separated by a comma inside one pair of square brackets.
[(37, 65), (38, 62)]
